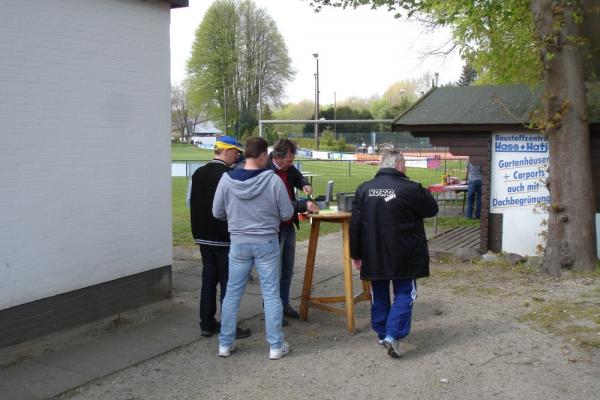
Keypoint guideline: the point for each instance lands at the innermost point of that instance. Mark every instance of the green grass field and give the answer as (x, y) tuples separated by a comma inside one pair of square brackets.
[(182, 234), (182, 231), (186, 152), (345, 174)]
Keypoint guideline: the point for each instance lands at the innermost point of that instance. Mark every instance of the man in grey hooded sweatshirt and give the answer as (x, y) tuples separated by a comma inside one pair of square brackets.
[(254, 201)]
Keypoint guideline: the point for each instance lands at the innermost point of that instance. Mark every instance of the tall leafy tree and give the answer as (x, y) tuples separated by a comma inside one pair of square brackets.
[(571, 232), (239, 59), (501, 41), (397, 98), (302, 110), (398, 92), (380, 108), (467, 76), (357, 103), (343, 112)]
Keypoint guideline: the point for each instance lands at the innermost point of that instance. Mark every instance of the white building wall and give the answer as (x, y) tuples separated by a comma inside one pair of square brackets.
[(85, 187)]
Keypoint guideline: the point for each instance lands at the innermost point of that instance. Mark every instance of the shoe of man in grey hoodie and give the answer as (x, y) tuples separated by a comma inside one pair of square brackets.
[(254, 202)]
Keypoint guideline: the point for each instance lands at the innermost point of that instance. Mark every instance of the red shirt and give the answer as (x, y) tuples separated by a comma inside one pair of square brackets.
[(284, 177)]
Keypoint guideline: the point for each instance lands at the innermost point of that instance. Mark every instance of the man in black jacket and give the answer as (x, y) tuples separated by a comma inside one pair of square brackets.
[(281, 161), (211, 234), (388, 243)]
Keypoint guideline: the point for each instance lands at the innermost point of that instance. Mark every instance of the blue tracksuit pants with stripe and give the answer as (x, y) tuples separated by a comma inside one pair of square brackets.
[(392, 319)]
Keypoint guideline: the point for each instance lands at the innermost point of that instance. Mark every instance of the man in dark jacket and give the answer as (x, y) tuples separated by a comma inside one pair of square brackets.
[(387, 243), (281, 161), (211, 234)]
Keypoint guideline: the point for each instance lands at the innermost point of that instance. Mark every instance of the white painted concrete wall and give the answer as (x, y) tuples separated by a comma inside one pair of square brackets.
[(85, 194)]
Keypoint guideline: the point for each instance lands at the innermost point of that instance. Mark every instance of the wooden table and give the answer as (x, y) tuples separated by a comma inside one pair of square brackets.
[(324, 303)]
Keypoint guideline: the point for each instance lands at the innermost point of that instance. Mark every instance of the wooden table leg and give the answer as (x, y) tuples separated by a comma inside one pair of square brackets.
[(310, 267), (348, 276), (366, 288)]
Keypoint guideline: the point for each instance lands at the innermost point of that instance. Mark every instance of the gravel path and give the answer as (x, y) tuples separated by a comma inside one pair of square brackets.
[(466, 343)]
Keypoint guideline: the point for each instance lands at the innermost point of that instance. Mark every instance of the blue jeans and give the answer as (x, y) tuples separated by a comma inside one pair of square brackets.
[(392, 319), (287, 246), (474, 191), (214, 272), (265, 258)]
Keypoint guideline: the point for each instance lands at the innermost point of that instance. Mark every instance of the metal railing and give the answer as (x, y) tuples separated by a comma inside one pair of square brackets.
[(348, 174)]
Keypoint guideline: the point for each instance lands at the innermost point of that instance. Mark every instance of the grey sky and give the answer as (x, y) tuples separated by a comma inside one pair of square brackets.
[(361, 52)]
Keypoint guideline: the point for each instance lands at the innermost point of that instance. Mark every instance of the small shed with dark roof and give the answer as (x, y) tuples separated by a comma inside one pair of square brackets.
[(464, 119)]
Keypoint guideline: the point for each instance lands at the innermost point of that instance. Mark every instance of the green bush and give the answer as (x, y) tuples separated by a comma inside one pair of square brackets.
[(328, 143), (327, 139), (306, 143)]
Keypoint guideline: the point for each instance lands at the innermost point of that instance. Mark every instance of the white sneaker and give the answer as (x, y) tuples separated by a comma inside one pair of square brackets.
[(225, 351), (381, 341), (276, 354), (393, 347)]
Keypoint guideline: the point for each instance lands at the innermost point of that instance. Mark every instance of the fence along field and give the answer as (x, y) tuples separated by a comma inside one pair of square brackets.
[(347, 175)]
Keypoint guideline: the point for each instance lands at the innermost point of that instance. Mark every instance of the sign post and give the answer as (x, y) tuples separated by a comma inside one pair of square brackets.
[(518, 191)]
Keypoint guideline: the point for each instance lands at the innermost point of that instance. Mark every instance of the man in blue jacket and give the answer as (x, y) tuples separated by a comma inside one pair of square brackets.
[(211, 234), (388, 244)]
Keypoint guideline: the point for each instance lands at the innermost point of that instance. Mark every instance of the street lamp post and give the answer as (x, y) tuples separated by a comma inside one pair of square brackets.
[(316, 56)]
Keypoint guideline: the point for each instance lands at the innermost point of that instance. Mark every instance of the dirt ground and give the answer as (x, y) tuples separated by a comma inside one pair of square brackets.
[(479, 332)]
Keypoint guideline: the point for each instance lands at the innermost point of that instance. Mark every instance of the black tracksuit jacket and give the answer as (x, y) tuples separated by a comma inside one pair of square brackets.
[(386, 229), (206, 229)]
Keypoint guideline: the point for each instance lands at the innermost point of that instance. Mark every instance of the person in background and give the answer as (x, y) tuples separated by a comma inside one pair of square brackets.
[(211, 234), (281, 161), (474, 190), (388, 244), (254, 202)]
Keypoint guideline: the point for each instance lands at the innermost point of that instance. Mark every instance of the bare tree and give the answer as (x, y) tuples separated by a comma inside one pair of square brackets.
[(467, 76), (184, 115)]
